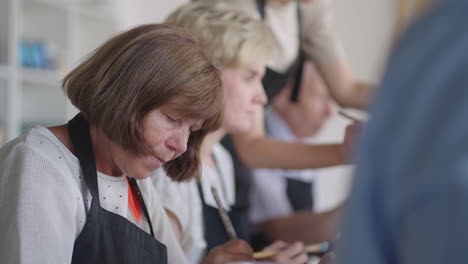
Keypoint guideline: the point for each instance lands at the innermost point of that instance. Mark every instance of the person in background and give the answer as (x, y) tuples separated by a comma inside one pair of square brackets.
[(282, 201), (309, 67), (408, 202), (81, 192), (305, 32), (239, 46)]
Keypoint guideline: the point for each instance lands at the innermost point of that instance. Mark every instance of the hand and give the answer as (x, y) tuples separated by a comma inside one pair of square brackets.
[(353, 132), (288, 253), (306, 117), (329, 258), (233, 250)]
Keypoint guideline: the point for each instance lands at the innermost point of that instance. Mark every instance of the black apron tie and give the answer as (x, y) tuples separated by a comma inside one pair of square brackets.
[(274, 81), (300, 194), (215, 232)]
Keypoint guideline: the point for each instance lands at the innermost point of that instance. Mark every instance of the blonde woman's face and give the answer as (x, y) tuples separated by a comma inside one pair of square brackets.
[(166, 133), (244, 94)]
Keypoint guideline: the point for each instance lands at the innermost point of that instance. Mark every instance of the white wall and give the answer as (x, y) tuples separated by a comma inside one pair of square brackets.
[(135, 12), (366, 30)]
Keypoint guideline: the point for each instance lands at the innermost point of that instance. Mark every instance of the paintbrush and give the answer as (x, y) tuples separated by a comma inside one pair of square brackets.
[(224, 216)]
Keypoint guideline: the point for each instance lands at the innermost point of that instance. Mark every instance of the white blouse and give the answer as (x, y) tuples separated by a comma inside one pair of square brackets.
[(44, 201), (183, 200)]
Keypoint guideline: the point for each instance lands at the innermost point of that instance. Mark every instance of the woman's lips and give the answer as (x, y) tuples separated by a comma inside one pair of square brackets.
[(161, 160), (155, 163)]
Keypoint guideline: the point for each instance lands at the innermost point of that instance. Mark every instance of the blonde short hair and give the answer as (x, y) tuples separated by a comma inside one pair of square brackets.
[(232, 37)]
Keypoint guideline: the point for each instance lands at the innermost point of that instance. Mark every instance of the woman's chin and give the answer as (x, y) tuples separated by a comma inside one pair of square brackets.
[(239, 128), (145, 173)]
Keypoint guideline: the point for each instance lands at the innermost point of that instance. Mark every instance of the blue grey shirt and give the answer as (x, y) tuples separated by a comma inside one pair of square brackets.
[(409, 202)]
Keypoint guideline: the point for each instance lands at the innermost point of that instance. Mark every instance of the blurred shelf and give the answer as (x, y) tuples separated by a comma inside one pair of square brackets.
[(99, 11), (95, 9), (57, 4), (40, 77), (74, 27), (4, 71)]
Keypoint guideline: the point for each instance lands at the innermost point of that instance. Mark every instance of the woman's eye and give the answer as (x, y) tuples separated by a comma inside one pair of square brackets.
[(250, 78), (171, 118), (194, 129)]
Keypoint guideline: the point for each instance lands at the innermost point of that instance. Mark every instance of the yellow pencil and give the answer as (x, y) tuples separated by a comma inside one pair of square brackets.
[(309, 249)]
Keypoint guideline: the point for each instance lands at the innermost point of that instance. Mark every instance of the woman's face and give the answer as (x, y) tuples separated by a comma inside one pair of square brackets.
[(166, 132), (244, 95)]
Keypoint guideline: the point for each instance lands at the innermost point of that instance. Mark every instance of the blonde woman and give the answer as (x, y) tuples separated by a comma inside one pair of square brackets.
[(240, 47)]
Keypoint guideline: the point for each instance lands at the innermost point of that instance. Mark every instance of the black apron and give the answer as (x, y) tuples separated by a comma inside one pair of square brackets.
[(275, 81), (215, 232), (300, 194), (107, 237)]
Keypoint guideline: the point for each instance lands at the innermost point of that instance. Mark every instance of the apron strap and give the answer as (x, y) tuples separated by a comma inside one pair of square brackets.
[(261, 8), (202, 196), (294, 97), (78, 128), (134, 186)]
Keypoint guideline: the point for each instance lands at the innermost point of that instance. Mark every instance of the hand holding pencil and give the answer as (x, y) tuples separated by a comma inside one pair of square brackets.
[(353, 132), (279, 251), (234, 249), (283, 252)]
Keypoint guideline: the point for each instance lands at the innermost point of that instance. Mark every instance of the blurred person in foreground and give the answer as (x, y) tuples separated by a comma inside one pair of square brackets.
[(409, 200), (282, 202)]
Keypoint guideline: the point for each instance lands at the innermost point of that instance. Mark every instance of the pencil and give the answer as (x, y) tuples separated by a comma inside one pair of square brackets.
[(346, 115), (310, 249), (224, 216)]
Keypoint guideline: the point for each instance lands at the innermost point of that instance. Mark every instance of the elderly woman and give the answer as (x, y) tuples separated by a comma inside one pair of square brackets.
[(80, 192)]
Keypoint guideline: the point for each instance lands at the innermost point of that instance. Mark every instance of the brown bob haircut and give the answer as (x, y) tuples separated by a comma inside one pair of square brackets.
[(140, 70)]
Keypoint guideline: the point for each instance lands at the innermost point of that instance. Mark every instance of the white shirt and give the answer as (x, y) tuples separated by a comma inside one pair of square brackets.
[(183, 200), (268, 194), (44, 201), (318, 37)]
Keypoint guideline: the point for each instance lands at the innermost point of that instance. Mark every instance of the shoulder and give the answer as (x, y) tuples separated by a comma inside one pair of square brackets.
[(38, 158), (37, 146), (167, 187), (224, 160), (174, 196), (222, 154)]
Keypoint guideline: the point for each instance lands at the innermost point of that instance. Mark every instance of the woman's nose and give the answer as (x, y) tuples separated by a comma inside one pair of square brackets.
[(261, 97), (178, 141)]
